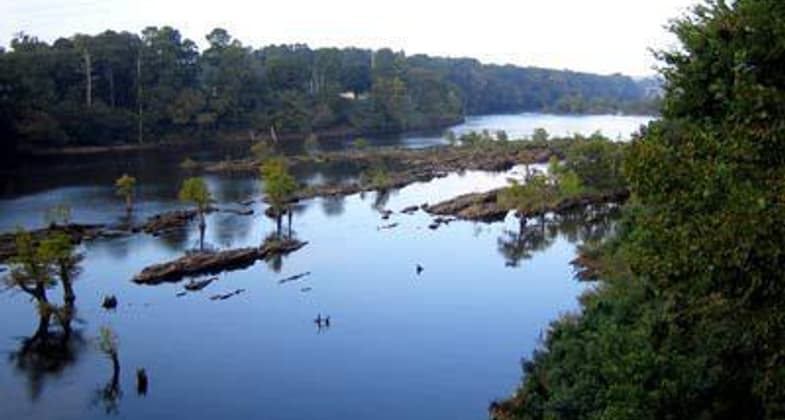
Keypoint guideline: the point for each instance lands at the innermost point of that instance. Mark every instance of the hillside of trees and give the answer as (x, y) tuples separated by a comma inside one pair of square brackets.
[(688, 321), (120, 87)]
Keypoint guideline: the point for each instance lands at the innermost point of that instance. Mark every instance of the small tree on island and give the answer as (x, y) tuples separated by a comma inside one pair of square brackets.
[(195, 191), (279, 186), (534, 197), (124, 187)]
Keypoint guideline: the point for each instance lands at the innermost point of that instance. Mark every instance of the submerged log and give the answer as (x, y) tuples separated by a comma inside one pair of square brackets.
[(294, 277), (227, 295), (214, 262)]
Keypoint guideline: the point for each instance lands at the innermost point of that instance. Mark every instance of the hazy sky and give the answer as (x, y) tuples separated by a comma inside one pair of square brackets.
[(603, 36)]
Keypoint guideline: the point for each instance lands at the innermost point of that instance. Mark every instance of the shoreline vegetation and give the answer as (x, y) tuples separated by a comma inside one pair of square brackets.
[(685, 320), (87, 93)]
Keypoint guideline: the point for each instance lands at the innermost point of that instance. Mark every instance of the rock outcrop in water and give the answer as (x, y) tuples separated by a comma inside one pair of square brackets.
[(483, 207), (214, 262)]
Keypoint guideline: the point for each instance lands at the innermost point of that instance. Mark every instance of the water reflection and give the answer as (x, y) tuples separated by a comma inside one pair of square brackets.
[(333, 206), (47, 353), (108, 396), (536, 235)]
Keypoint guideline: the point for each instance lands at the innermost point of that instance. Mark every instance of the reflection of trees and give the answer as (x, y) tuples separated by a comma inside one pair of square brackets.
[(578, 226), (110, 394), (523, 244), (380, 199), (49, 351), (175, 239), (333, 206), (231, 229), (586, 224)]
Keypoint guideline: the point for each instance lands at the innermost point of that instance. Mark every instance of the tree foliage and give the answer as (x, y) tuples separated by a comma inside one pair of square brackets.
[(121, 87), (687, 322)]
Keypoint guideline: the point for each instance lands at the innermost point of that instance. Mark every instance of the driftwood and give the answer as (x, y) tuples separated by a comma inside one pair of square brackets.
[(294, 277), (227, 295), (214, 262)]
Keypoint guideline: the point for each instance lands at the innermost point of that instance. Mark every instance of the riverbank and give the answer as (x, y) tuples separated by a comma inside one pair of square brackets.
[(236, 136)]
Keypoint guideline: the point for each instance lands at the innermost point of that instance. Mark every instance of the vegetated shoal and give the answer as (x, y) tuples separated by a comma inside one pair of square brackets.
[(77, 233), (400, 167), (486, 208)]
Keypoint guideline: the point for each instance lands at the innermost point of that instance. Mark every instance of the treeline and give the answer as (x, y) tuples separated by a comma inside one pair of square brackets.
[(120, 87), (687, 322)]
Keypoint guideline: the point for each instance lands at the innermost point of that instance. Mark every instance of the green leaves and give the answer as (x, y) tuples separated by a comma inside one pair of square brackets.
[(279, 184), (194, 190)]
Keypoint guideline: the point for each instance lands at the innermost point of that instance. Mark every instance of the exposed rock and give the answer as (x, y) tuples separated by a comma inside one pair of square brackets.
[(473, 206), (110, 302), (484, 207), (160, 223), (386, 214), (214, 262), (386, 227), (410, 209), (406, 166)]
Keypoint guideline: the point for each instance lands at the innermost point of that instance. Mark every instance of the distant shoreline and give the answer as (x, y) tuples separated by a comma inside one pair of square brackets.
[(240, 136)]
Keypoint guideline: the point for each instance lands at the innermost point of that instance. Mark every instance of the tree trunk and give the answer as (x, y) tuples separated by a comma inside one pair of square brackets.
[(115, 371), (278, 225), (129, 205), (88, 72), (110, 76), (522, 225), (68, 288), (139, 95), (43, 327), (289, 214), (202, 227)]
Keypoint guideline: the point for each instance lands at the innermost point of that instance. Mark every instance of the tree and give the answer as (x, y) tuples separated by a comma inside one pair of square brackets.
[(195, 191), (31, 269), (532, 198), (687, 320), (124, 187), (279, 186), (540, 135), (58, 250), (360, 144)]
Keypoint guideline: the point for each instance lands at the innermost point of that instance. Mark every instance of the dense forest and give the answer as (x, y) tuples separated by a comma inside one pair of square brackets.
[(120, 87), (688, 321)]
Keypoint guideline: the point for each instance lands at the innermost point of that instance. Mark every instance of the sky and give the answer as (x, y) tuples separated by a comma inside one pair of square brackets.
[(599, 36)]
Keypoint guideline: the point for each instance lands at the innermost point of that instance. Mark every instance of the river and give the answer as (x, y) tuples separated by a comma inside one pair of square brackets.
[(440, 344)]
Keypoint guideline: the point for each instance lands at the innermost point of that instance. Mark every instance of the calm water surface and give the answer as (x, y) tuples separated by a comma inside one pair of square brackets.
[(439, 345)]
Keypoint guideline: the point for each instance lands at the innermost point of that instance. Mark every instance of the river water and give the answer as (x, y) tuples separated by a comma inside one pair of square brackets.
[(441, 344)]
